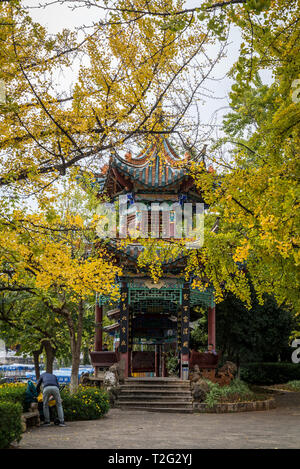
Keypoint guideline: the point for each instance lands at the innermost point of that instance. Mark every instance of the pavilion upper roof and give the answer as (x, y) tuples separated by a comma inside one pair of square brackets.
[(157, 166)]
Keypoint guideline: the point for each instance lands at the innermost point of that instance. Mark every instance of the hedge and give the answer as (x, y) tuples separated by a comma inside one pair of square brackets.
[(88, 403), (10, 423), (14, 392), (269, 373)]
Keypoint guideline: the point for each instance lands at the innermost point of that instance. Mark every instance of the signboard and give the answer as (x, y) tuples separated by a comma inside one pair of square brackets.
[(185, 321), (124, 320)]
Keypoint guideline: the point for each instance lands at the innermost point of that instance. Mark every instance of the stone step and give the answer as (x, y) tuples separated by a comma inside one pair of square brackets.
[(173, 384), (156, 380), (155, 389), (156, 395), (152, 398), (159, 409), (145, 391), (156, 392), (155, 404)]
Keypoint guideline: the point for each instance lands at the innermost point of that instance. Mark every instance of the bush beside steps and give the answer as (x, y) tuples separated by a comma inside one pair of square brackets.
[(10, 423)]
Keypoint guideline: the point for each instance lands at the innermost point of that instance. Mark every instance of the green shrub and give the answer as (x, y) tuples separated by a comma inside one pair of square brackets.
[(172, 364), (236, 391), (214, 395), (88, 403), (13, 392), (270, 373), (294, 385), (10, 423)]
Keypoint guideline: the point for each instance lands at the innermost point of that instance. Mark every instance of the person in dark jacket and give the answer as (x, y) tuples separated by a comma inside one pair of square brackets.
[(30, 394), (50, 388)]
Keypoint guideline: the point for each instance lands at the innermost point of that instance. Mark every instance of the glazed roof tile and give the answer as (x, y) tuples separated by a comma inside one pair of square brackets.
[(156, 166)]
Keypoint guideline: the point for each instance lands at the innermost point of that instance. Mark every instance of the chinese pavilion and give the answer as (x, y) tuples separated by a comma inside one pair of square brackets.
[(151, 319)]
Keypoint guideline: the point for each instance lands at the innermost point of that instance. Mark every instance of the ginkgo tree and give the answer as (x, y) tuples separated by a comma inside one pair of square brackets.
[(123, 69), (254, 190), (139, 60), (51, 255)]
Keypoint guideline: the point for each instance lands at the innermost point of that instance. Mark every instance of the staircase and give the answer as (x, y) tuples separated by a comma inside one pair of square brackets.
[(156, 395)]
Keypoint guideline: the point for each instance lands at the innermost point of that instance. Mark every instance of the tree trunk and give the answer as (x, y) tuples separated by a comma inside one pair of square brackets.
[(75, 370), (76, 340), (50, 355), (36, 355)]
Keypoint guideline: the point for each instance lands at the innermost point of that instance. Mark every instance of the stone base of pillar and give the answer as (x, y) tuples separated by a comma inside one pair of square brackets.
[(125, 364), (184, 369)]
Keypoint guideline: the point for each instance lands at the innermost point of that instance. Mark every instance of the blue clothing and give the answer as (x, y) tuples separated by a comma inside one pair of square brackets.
[(30, 394), (46, 379)]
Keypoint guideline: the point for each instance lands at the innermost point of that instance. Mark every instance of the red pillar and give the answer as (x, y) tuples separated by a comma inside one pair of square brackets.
[(98, 332), (212, 326), (125, 363)]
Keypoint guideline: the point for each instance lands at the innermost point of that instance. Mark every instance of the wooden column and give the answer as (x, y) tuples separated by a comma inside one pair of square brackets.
[(163, 363), (185, 332), (212, 326), (124, 330), (98, 326)]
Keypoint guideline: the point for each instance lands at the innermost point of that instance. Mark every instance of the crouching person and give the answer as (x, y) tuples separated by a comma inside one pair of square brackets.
[(50, 388)]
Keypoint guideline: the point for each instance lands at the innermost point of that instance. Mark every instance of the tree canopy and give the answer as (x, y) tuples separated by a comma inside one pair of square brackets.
[(142, 70)]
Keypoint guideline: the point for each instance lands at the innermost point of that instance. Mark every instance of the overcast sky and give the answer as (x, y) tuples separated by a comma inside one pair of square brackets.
[(57, 17)]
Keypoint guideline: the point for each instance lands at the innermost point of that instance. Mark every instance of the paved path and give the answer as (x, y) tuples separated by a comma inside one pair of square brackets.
[(277, 428)]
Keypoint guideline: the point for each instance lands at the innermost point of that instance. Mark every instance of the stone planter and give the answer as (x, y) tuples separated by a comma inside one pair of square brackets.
[(31, 418), (235, 406)]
